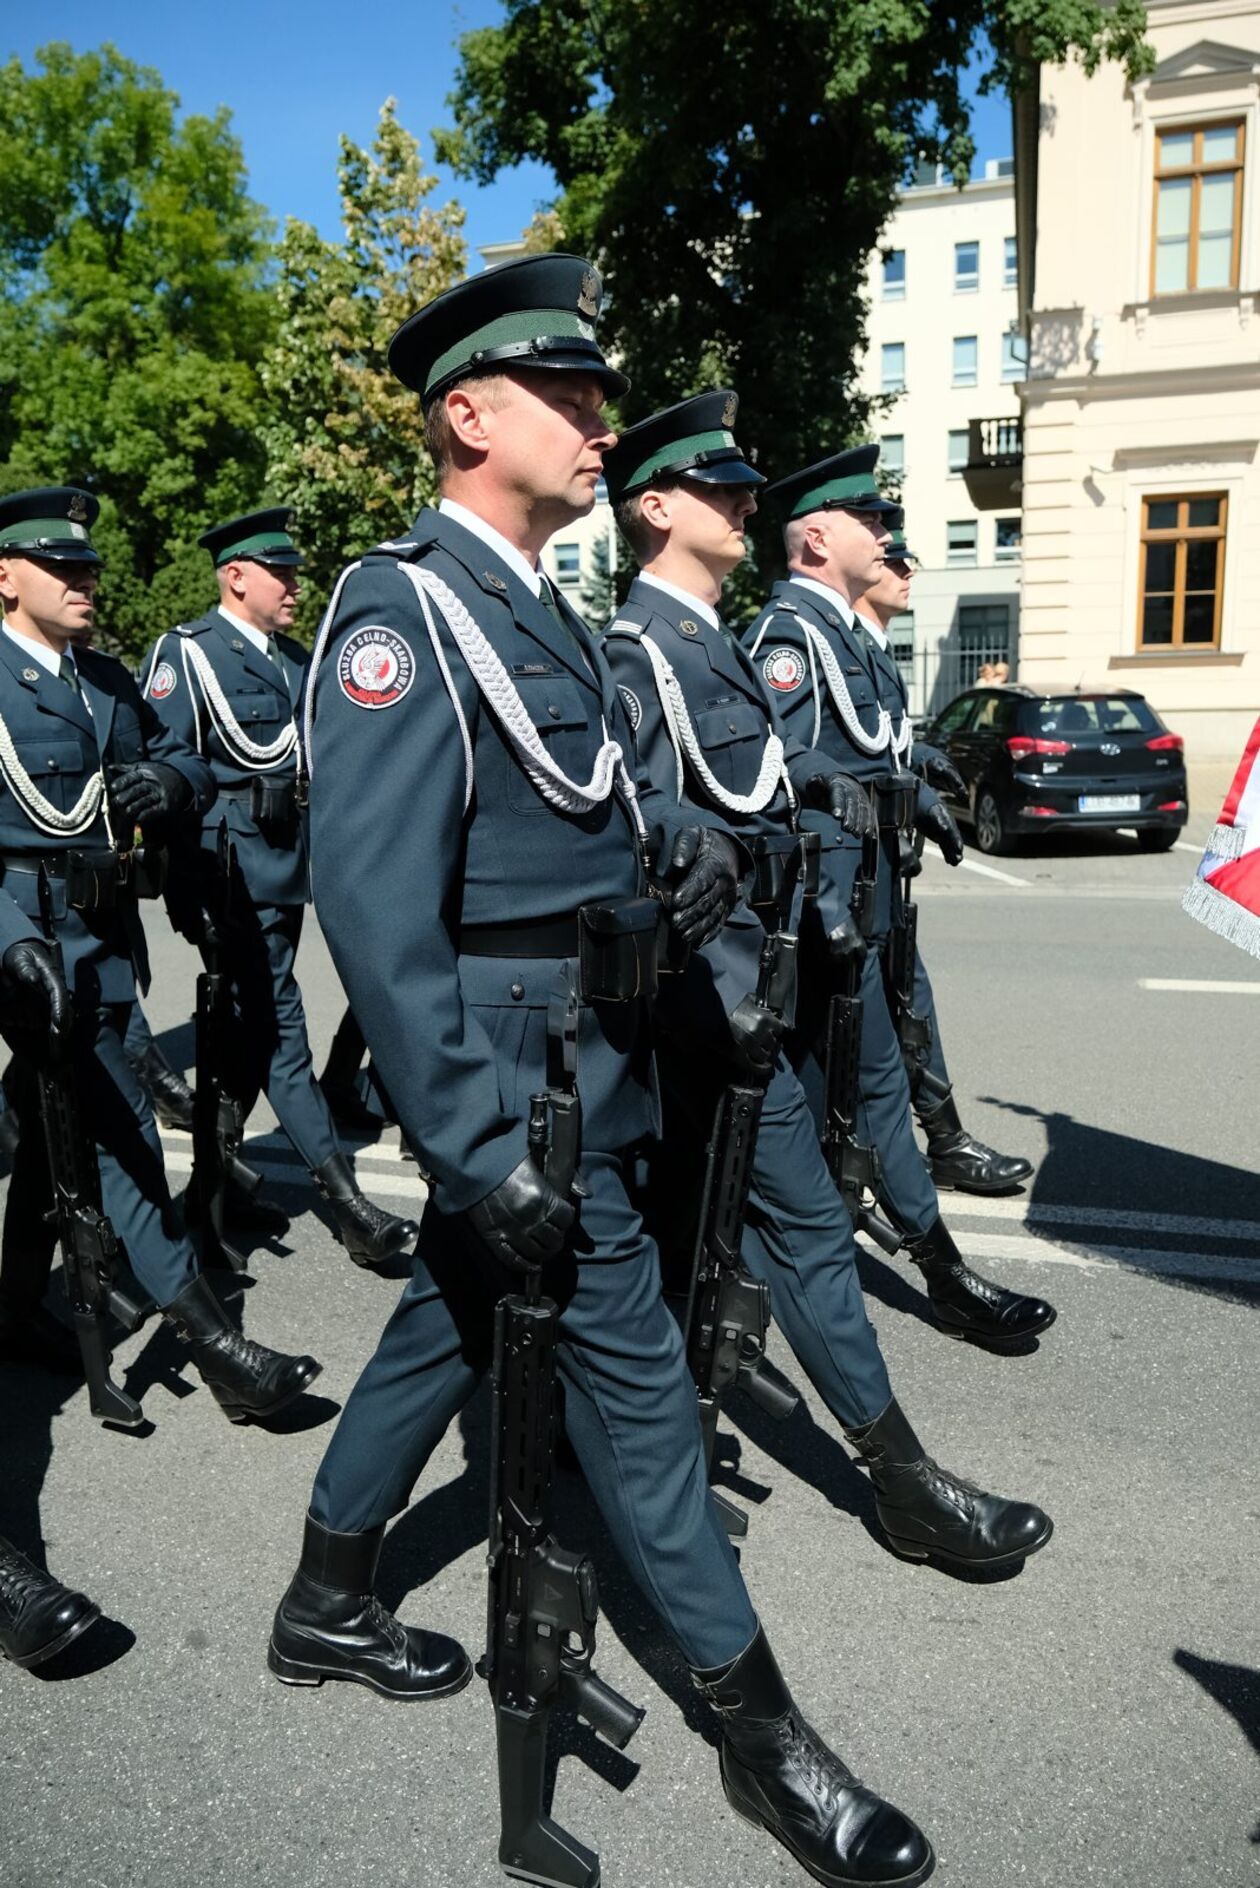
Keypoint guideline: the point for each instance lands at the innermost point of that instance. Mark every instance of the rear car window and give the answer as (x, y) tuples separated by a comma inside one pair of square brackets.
[(1092, 714)]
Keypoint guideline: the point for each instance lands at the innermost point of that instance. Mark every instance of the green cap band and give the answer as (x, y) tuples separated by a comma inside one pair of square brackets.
[(257, 546), (858, 489), (510, 331), (54, 530), (678, 453)]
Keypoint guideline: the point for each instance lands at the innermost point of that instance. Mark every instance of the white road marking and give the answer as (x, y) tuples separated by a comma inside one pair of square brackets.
[(1201, 986), (985, 871), (985, 1247), (1183, 845), (1024, 1212), (395, 1181)]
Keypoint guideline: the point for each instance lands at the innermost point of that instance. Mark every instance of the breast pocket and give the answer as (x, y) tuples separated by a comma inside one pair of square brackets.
[(563, 722), (126, 741), (59, 768), (257, 709), (733, 738)]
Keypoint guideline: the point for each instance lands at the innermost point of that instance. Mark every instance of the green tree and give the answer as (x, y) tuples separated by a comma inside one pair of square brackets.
[(730, 170), (344, 440), (133, 313)]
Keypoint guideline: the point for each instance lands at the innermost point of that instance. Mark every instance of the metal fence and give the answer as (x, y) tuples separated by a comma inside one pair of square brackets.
[(935, 675)]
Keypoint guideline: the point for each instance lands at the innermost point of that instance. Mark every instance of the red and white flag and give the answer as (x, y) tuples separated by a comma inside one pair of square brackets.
[(1225, 894)]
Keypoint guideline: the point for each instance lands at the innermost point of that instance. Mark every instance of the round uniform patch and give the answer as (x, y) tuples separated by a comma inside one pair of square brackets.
[(784, 669), (633, 706), (375, 667), (163, 683)]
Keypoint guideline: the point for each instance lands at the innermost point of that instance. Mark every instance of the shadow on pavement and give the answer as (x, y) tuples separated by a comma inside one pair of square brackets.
[(1088, 1166), (1236, 1688)]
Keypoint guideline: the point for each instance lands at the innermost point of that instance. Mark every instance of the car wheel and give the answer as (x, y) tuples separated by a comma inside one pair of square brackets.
[(1158, 838), (990, 832)]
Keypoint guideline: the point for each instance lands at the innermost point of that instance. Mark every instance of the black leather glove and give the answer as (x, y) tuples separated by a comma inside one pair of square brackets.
[(36, 990), (756, 1033), (146, 790), (937, 822), (704, 869), (845, 944), (937, 769), (523, 1220), (909, 863), (840, 794)]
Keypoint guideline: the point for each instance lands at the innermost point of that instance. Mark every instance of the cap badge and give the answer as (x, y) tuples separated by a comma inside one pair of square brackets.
[(78, 511), (729, 411), (588, 295)]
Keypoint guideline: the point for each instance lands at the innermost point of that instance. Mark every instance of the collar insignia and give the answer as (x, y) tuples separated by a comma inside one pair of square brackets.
[(237, 643), (493, 578), (729, 411), (689, 628), (78, 511), (30, 675), (588, 295)]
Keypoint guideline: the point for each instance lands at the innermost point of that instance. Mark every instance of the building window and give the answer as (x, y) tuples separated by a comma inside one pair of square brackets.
[(901, 642), (1014, 355), (1198, 208), (959, 451), (892, 367), (1183, 568), (894, 287), (892, 453), (984, 643), (960, 541), (1007, 537), (966, 354), (966, 267), (1010, 264), (569, 563)]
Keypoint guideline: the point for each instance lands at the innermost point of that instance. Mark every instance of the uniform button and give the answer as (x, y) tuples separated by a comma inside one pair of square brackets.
[(54, 766), (518, 991), (553, 711), (731, 726)]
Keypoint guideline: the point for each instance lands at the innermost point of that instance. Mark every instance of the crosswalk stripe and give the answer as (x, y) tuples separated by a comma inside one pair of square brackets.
[(988, 1246), (1024, 1212)]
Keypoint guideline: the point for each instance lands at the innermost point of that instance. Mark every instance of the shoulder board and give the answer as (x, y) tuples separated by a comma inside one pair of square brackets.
[(787, 607), (621, 625), (393, 547), (183, 629)]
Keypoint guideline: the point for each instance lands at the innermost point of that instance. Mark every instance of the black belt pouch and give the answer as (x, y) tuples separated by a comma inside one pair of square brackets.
[(617, 950)]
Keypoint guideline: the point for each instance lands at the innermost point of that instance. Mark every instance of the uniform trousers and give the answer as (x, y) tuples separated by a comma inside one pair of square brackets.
[(630, 1405), (134, 1192), (925, 1006), (273, 1053)]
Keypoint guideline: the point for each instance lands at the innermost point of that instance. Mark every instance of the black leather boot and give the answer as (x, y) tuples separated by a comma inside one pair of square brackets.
[(245, 1379), (166, 1088), (249, 1212), (960, 1161), (38, 1616), (927, 1513), (966, 1305), (331, 1625), (778, 1773), (369, 1234)]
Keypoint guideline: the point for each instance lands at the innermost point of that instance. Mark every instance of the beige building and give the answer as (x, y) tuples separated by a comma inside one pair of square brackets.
[(943, 340), (1139, 253)]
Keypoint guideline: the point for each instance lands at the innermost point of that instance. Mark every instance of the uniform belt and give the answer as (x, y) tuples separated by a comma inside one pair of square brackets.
[(57, 864), (529, 937)]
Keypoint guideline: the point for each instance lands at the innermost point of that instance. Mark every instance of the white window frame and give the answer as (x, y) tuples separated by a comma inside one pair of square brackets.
[(963, 433), (954, 381), (1163, 105), (971, 286), (897, 292), (885, 463), (884, 385), (964, 561)]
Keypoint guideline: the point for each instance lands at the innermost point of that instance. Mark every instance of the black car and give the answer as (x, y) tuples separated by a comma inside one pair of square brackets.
[(1034, 763)]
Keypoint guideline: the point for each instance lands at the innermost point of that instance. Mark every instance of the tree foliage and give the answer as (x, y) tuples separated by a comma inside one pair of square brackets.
[(731, 168), (133, 316), (345, 441)]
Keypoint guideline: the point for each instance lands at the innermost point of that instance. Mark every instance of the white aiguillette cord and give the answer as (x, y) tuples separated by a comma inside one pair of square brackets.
[(683, 738), (820, 651), (247, 753), (503, 698)]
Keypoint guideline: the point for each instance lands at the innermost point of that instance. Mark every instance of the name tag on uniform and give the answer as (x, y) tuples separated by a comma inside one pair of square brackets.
[(533, 668), (720, 701)]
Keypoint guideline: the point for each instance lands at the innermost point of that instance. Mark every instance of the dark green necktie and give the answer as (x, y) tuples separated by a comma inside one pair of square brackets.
[(68, 673), (551, 603)]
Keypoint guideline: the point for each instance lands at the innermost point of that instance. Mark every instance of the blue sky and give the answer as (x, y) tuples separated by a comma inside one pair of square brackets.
[(296, 77)]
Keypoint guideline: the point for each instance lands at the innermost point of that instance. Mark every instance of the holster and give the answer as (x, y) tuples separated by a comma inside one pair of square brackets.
[(617, 950), (92, 880)]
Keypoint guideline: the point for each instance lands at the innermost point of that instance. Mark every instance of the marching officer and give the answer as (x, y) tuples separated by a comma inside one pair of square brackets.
[(957, 1159), (830, 687), (707, 736), (230, 686), (85, 761), (467, 743)]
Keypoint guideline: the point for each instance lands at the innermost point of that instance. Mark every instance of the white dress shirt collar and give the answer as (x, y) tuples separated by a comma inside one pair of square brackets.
[(872, 629), (825, 591), (705, 611), (495, 540), (258, 637), (47, 658)]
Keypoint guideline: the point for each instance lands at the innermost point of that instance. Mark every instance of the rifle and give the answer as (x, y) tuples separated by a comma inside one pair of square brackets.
[(854, 1166), (89, 1245), (218, 1118), (728, 1311), (543, 1600), (914, 1032)]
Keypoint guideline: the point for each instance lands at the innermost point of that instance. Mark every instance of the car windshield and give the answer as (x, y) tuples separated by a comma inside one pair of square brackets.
[(1094, 714)]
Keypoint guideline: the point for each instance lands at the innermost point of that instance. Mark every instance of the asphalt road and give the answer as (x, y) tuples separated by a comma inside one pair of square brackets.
[(1094, 1720)]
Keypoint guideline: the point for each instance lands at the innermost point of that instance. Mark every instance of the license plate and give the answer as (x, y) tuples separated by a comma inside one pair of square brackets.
[(1109, 803)]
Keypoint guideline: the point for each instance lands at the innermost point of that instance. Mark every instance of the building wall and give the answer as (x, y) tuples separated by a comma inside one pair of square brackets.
[(928, 222), (1131, 395)]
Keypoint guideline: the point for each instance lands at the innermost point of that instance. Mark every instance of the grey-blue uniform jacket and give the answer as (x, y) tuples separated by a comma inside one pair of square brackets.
[(264, 700), (414, 835), (779, 646), (733, 715), (61, 738)]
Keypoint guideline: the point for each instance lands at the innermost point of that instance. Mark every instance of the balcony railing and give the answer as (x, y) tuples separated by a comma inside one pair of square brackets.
[(994, 443)]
